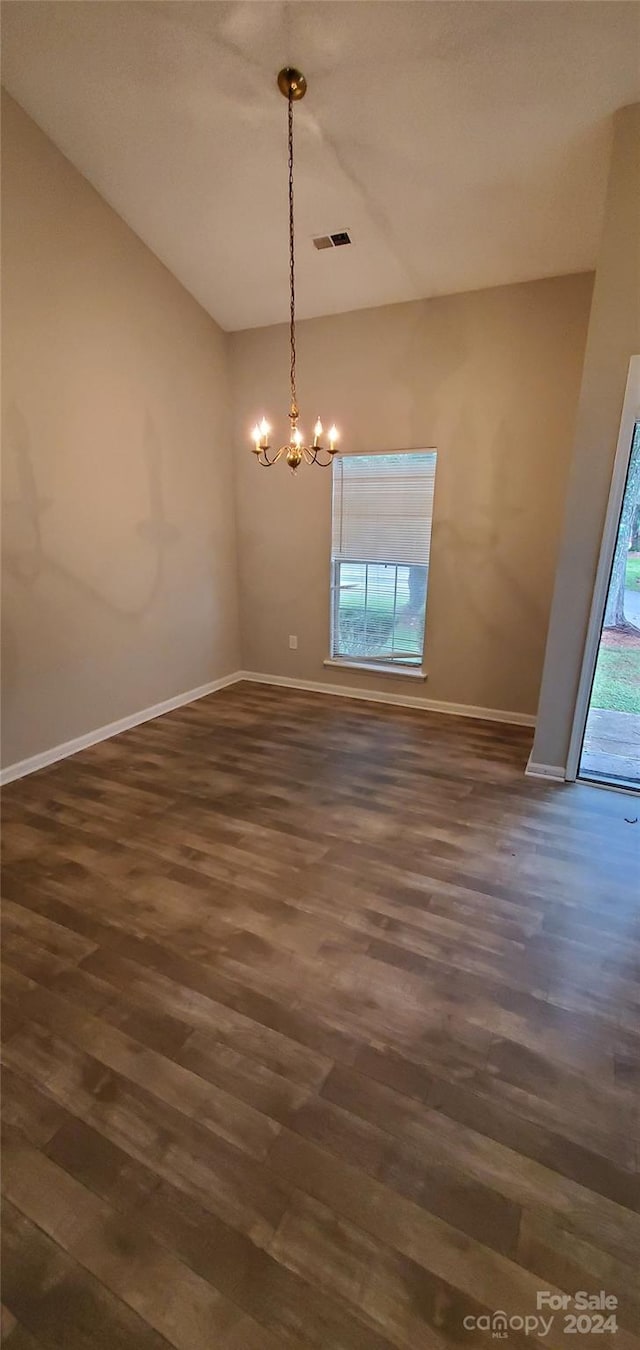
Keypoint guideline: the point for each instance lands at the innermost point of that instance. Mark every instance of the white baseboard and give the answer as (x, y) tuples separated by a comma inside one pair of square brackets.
[(41, 761), (67, 748), (402, 700), (553, 773)]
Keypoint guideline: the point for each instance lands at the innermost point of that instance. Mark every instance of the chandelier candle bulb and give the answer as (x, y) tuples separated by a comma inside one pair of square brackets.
[(293, 86)]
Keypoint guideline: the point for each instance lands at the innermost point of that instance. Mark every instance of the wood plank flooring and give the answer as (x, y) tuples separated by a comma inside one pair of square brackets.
[(321, 1029)]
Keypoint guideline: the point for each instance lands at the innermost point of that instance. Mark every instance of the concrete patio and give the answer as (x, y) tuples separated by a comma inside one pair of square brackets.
[(612, 746)]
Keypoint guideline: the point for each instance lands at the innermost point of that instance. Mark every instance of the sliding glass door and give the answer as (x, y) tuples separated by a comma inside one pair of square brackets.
[(611, 743)]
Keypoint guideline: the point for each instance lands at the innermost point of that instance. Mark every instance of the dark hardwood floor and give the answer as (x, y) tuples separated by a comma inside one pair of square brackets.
[(320, 1030)]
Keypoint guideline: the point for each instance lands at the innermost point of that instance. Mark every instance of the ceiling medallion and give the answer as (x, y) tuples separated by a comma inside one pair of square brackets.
[(293, 85)]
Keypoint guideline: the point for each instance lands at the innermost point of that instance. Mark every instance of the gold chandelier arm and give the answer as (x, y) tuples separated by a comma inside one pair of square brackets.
[(322, 463), (265, 462)]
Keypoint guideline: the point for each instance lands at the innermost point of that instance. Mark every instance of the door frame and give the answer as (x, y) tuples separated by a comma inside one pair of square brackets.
[(630, 415)]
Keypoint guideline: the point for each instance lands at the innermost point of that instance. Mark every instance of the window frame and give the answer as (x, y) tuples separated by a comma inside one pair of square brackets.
[(383, 664)]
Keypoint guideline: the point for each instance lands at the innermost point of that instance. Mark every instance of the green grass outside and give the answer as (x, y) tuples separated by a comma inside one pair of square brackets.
[(617, 680), (616, 685), (407, 637), (632, 577), (375, 604)]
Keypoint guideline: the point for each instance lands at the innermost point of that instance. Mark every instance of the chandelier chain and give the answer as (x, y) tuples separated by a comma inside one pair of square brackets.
[(292, 272), (296, 451)]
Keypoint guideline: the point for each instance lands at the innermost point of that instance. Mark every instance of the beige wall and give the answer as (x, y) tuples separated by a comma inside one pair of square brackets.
[(119, 567), (490, 379), (119, 549), (614, 337)]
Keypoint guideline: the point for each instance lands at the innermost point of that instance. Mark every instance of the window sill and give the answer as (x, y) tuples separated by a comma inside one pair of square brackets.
[(376, 668)]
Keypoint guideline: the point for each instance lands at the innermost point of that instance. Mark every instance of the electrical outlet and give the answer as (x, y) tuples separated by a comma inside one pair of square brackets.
[(293, 642)]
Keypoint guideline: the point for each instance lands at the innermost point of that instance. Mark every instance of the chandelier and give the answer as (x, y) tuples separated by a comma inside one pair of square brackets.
[(293, 85)]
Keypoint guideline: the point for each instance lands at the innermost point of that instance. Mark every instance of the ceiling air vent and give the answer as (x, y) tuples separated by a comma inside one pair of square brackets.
[(332, 240)]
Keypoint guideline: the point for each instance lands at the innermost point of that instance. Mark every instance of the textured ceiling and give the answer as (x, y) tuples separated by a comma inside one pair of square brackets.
[(462, 144)]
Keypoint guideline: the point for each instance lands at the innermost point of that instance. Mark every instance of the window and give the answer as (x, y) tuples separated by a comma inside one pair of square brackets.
[(381, 534)]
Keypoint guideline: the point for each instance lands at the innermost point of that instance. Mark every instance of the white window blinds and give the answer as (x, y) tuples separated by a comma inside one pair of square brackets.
[(383, 507), (381, 533)]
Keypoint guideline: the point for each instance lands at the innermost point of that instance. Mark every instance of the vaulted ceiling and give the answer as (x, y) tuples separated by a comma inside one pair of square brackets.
[(462, 144)]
